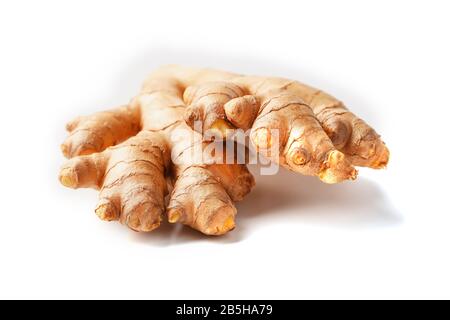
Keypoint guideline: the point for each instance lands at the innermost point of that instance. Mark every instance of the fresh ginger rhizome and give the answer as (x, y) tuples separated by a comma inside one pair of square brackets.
[(128, 155)]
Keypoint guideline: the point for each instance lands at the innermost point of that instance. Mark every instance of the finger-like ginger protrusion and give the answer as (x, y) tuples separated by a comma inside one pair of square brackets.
[(84, 171), (350, 134), (365, 148), (206, 104), (242, 111), (96, 132), (134, 186), (336, 168), (107, 210), (200, 201), (342, 126), (235, 178)]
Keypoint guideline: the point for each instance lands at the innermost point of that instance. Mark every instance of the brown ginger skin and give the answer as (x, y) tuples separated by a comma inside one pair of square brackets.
[(130, 155), (132, 175), (317, 134)]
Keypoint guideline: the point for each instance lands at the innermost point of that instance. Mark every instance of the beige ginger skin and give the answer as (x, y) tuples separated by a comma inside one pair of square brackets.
[(129, 153)]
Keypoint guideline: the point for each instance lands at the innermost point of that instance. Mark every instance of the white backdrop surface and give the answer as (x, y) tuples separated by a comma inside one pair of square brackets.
[(386, 235)]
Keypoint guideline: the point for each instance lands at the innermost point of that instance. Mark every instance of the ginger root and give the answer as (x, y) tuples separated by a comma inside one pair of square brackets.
[(130, 153)]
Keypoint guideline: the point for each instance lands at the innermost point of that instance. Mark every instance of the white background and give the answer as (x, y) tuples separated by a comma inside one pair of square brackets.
[(386, 235)]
